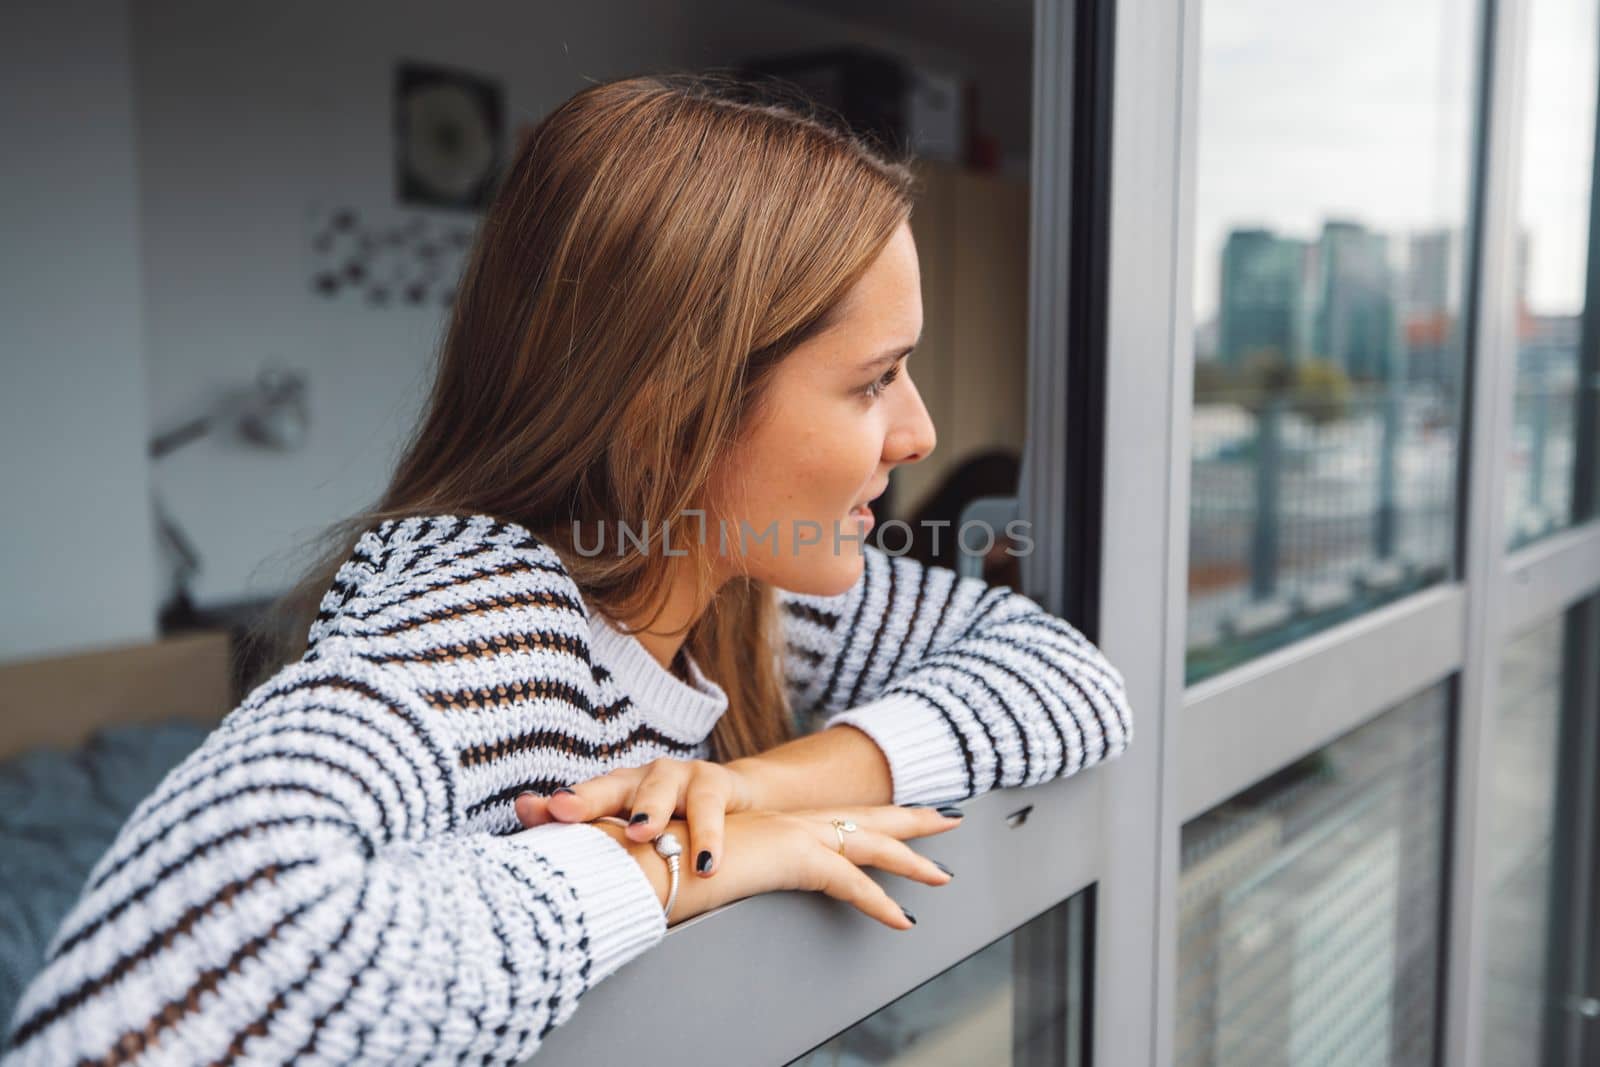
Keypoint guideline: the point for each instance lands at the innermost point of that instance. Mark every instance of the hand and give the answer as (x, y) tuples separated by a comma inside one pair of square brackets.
[(648, 796), (769, 851)]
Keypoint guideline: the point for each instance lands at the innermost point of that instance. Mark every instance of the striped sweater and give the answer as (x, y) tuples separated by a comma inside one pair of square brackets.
[(337, 874)]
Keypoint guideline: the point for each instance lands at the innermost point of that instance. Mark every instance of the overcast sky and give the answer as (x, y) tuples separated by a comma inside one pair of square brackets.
[(1362, 110)]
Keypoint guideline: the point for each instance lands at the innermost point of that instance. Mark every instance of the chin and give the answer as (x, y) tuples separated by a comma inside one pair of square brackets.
[(823, 574)]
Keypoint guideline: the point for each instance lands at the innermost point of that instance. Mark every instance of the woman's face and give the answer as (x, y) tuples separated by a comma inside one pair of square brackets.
[(840, 413)]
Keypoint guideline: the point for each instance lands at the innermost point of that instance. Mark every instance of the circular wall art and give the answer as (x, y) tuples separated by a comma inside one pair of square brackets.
[(449, 136)]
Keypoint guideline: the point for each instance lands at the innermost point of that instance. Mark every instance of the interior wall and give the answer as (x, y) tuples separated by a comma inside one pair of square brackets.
[(78, 568)]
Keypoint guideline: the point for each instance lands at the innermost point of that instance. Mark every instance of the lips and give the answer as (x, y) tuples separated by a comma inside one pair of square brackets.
[(863, 505)]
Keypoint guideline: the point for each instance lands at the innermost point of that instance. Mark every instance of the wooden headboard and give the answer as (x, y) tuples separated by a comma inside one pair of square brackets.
[(61, 700)]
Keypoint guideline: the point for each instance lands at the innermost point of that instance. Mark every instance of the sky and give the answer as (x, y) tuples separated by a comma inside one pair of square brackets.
[(1363, 110)]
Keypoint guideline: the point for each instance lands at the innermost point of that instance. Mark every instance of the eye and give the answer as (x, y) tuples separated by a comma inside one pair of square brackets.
[(876, 388)]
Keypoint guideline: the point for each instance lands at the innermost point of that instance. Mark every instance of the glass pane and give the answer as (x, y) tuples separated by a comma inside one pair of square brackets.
[(1018, 1001), (1556, 173), (1528, 848), (1330, 206), (1309, 906)]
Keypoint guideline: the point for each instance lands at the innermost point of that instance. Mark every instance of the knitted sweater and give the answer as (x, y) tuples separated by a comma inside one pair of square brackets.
[(337, 874)]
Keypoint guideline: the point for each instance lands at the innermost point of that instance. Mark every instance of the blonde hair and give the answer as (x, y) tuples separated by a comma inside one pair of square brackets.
[(658, 245)]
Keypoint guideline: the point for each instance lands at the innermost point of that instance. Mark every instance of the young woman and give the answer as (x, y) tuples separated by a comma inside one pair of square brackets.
[(617, 567)]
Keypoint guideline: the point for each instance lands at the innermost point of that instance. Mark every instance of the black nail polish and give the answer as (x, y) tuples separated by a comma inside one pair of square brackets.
[(909, 917), (564, 789), (639, 818), (703, 862), (943, 868), (950, 811)]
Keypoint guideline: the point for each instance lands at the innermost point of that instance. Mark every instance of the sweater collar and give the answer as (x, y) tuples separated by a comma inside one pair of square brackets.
[(688, 709)]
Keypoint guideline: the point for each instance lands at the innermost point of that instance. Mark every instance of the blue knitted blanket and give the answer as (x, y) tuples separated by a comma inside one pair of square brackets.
[(59, 812)]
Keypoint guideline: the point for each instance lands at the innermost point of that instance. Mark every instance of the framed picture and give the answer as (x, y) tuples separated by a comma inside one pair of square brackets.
[(449, 136)]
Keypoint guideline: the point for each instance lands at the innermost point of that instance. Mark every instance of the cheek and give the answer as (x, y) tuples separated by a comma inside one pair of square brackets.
[(805, 470), (827, 466), (764, 477), (809, 461)]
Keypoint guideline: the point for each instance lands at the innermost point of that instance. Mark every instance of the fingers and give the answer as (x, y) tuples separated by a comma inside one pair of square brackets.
[(843, 880), (532, 809), (842, 877), (649, 797), (899, 822), (706, 811), (866, 848), (608, 794), (655, 800)]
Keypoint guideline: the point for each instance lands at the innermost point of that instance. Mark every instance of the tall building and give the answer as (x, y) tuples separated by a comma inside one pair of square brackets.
[(1432, 308), (1355, 325), (1262, 296), (1433, 273)]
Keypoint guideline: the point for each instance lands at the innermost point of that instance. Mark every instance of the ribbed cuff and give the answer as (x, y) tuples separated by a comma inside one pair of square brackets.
[(621, 911), (923, 752)]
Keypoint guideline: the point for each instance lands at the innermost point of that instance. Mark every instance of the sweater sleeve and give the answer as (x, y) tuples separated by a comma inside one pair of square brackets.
[(306, 887), (965, 687)]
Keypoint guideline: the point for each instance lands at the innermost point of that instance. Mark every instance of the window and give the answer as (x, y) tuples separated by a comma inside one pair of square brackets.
[(1333, 158), (1020, 1000), (1537, 911), (1309, 905), (1554, 186)]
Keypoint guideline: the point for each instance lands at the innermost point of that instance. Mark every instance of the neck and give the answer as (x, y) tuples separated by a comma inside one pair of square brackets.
[(682, 610)]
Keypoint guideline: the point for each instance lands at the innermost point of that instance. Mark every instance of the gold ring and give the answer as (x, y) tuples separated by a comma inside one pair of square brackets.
[(842, 827)]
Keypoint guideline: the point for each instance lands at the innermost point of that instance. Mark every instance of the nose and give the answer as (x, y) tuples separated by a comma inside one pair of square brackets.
[(912, 435)]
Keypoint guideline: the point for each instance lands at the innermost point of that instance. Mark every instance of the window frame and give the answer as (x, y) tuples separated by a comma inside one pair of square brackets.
[(1188, 756)]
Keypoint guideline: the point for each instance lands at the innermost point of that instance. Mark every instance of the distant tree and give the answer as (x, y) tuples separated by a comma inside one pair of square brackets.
[(1321, 391), (1263, 373), (1213, 381)]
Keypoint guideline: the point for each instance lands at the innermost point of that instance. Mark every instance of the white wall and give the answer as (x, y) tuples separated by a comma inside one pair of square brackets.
[(78, 565)]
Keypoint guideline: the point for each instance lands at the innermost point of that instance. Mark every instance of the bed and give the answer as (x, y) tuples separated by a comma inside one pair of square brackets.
[(83, 739)]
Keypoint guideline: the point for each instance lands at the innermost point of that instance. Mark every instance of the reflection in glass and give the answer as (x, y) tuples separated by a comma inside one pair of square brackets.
[(1523, 855), (1553, 191), (1309, 906), (1018, 1001), (1331, 202)]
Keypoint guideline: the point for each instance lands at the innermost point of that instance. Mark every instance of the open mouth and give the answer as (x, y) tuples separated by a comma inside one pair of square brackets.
[(865, 507)]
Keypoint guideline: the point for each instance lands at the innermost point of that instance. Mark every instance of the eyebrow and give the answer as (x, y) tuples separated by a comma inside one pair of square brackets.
[(889, 357)]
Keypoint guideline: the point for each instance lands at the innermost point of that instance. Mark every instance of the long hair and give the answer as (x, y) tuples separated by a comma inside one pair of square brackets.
[(657, 246)]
